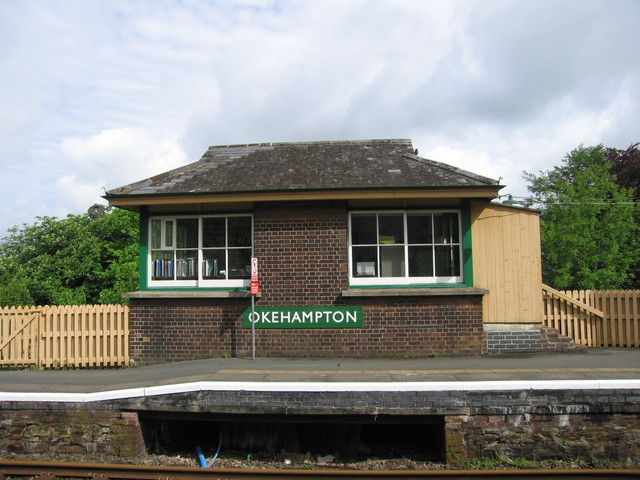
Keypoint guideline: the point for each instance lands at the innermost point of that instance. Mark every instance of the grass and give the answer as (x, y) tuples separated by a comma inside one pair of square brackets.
[(499, 461)]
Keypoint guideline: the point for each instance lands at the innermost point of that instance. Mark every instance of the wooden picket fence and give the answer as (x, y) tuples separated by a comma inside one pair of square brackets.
[(595, 318), (65, 336)]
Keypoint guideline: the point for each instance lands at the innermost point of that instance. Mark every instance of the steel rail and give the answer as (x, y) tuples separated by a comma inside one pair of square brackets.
[(10, 470)]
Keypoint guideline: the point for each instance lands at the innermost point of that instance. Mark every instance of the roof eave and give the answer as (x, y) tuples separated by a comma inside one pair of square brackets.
[(465, 191)]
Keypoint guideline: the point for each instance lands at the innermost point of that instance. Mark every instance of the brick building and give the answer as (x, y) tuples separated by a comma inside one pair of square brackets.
[(364, 249)]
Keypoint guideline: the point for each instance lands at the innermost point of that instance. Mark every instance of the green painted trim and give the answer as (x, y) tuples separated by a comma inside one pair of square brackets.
[(142, 250), (197, 289), (204, 213), (412, 285), (467, 257)]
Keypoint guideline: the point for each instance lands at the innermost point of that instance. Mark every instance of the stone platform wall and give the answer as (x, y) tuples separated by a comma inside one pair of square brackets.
[(533, 424), (604, 436), (71, 432)]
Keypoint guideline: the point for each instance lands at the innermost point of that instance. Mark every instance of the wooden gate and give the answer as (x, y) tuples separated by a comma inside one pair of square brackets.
[(19, 333), (65, 336)]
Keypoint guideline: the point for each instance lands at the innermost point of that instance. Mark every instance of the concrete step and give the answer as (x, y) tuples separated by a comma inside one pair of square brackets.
[(557, 341)]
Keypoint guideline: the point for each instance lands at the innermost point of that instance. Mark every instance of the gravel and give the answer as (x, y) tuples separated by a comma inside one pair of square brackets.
[(243, 460), (230, 461)]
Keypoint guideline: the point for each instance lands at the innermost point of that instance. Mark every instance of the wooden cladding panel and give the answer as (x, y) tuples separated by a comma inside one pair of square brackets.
[(507, 262)]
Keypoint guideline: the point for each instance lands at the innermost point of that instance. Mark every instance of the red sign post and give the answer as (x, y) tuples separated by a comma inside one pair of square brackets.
[(255, 288)]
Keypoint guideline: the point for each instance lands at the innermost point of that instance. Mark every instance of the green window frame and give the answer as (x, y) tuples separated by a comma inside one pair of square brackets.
[(406, 247), (199, 250)]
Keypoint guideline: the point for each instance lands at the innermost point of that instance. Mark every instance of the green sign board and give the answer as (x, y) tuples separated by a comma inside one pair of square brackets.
[(303, 317)]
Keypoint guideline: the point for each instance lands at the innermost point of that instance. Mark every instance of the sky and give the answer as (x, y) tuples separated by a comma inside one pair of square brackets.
[(97, 94)]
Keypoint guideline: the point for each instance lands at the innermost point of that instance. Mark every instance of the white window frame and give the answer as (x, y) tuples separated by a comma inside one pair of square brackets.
[(405, 279), (199, 281)]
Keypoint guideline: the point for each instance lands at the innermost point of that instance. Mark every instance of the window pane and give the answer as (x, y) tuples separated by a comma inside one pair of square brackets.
[(187, 233), (186, 264), (220, 247), (421, 261), (446, 228), (213, 232), (162, 266), (239, 231), (240, 263), (391, 228), (447, 261), (214, 264), (419, 229), (364, 263), (363, 230), (156, 229), (168, 233), (392, 261)]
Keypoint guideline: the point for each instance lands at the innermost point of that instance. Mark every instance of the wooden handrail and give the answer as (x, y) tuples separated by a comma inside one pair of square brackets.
[(581, 305)]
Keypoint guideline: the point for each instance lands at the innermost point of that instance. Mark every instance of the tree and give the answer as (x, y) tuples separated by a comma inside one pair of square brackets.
[(119, 233), (14, 287), (80, 259), (625, 165), (589, 223)]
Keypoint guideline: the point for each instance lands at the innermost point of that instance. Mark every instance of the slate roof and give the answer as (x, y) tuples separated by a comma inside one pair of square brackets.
[(338, 165)]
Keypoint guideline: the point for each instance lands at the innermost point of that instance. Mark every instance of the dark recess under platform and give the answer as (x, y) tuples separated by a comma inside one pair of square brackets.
[(347, 437)]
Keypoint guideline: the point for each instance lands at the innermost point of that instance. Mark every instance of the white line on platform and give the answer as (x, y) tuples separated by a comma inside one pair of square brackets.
[(320, 387)]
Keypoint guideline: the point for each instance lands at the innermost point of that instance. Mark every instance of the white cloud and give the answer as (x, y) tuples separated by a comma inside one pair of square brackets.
[(77, 195), (100, 94), (480, 162), (111, 159)]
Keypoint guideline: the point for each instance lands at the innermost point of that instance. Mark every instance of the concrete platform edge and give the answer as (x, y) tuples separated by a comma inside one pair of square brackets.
[(539, 385)]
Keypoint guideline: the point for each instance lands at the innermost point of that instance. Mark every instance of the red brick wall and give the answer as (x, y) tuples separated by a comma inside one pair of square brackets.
[(302, 252), (171, 330)]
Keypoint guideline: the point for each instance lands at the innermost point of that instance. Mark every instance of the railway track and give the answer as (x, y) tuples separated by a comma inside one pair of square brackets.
[(77, 471)]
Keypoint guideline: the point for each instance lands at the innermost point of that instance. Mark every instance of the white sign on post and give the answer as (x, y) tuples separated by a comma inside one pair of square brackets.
[(254, 269)]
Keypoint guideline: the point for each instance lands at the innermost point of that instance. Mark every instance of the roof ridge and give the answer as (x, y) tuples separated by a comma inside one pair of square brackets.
[(313, 142)]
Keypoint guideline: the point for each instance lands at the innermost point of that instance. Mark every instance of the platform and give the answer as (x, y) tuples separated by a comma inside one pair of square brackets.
[(533, 405), (589, 369)]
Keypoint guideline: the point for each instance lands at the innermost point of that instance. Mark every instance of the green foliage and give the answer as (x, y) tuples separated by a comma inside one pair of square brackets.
[(589, 224), (80, 259), (14, 287)]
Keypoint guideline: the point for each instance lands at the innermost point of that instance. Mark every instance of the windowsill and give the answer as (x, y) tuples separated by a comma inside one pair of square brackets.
[(414, 292), (189, 294)]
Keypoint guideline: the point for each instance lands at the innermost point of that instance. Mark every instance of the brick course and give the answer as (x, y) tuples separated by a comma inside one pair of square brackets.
[(302, 249), (528, 341)]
